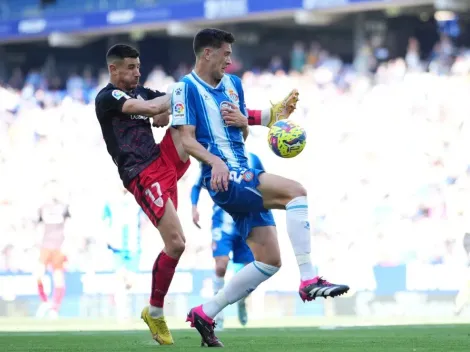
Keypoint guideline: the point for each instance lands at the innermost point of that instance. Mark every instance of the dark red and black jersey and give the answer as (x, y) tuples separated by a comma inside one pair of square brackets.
[(129, 138)]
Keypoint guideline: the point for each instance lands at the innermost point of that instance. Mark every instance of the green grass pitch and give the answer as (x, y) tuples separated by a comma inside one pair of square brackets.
[(413, 338)]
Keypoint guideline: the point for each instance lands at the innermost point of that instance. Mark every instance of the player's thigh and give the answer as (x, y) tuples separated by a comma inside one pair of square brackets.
[(171, 231), (57, 260), (45, 256), (155, 190), (264, 245), (172, 150), (242, 195), (277, 191), (153, 187)]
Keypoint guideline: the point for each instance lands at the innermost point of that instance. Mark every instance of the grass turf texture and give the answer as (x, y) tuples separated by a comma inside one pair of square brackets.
[(413, 338)]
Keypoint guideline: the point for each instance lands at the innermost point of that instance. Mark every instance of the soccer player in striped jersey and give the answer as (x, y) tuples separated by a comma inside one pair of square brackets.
[(209, 111)]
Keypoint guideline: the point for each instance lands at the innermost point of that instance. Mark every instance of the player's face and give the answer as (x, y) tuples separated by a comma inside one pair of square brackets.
[(127, 72), (219, 60)]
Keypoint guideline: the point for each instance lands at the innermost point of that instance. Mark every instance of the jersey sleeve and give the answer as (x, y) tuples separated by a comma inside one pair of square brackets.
[(152, 93), (113, 100), (241, 94), (196, 190), (183, 105)]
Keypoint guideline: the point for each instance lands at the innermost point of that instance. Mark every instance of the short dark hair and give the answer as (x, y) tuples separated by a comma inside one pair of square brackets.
[(211, 37), (120, 52)]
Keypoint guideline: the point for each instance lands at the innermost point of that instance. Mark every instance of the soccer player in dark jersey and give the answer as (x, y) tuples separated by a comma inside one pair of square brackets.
[(53, 214), (148, 170)]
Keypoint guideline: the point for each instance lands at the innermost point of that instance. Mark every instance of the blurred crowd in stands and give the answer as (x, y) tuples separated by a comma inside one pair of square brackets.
[(386, 163)]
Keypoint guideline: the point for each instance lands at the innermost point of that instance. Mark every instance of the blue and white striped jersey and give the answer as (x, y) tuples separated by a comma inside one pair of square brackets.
[(196, 103)]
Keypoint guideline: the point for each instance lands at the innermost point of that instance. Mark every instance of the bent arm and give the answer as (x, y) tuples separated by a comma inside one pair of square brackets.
[(147, 107), (193, 147)]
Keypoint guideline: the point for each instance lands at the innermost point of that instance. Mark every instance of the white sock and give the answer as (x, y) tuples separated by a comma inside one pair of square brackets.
[(218, 283), (298, 228), (155, 312), (242, 284)]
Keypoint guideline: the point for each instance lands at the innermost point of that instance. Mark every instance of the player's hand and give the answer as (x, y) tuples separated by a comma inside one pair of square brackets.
[(196, 216), (233, 116), (283, 109), (161, 120), (219, 179)]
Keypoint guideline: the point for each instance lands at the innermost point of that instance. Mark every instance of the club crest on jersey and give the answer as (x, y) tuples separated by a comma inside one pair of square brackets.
[(233, 96), (248, 176), (118, 94)]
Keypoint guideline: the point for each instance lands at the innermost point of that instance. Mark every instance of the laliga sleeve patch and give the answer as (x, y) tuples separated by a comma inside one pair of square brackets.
[(118, 94)]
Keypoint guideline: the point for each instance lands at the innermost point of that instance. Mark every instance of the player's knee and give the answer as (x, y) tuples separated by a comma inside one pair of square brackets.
[(292, 191), (296, 190), (274, 262), (175, 244), (221, 264), (270, 259), (220, 270)]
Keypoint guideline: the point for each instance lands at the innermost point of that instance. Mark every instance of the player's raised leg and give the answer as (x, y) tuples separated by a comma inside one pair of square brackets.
[(282, 193)]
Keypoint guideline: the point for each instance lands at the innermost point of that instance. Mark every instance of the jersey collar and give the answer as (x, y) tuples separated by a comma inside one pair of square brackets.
[(220, 86)]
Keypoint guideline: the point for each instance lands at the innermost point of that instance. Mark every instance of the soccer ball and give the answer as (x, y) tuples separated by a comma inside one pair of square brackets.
[(287, 139)]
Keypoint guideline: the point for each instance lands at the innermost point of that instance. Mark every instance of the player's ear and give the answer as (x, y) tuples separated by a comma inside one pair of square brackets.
[(207, 53), (112, 68)]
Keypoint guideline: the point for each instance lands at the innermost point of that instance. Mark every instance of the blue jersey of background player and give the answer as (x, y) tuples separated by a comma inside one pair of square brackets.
[(122, 216), (225, 240)]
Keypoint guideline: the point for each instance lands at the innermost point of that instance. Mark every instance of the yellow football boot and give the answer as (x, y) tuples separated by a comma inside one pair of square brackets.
[(158, 328), (283, 109)]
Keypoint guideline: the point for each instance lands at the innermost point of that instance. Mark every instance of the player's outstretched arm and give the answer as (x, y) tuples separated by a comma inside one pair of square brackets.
[(279, 111), (220, 172), (148, 108)]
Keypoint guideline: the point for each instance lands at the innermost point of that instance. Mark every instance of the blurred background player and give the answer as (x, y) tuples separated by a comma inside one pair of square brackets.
[(225, 240), (123, 218), (463, 296), (53, 216)]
